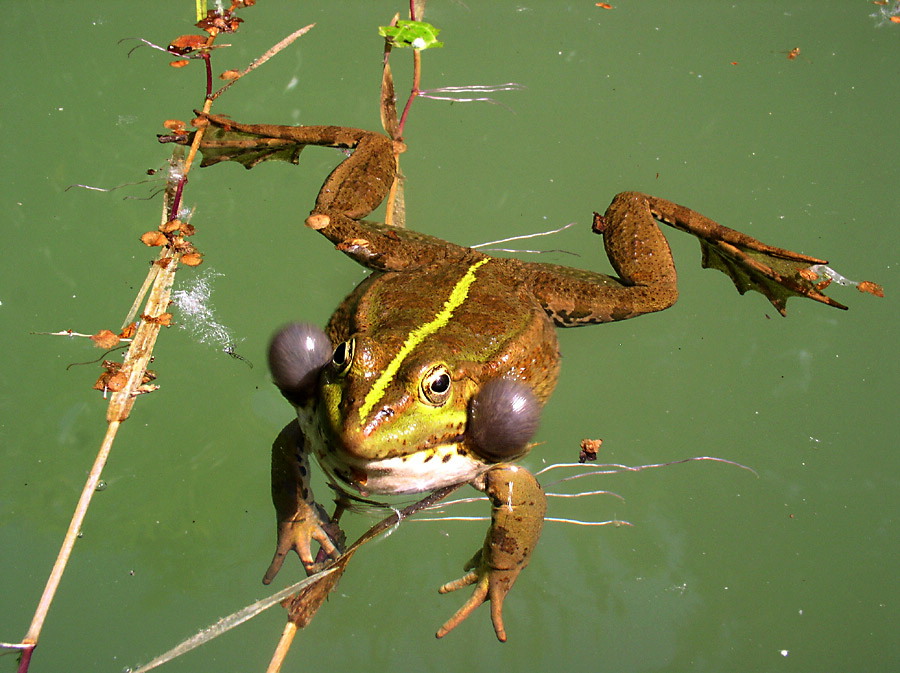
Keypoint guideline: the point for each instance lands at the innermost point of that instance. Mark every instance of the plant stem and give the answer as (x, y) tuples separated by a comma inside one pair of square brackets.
[(120, 404), (414, 92), (284, 646), (158, 283), (209, 78), (90, 487)]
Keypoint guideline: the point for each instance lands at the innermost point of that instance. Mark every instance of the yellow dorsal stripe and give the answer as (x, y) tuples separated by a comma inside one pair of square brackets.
[(457, 296)]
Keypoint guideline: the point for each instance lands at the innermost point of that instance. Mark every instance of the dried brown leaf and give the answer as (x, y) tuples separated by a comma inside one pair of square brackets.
[(105, 339), (303, 605), (164, 319), (154, 238), (808, 274), (170, 226), (216, 23), (192, 259), (871, 288), (115, 382), (176, 126), (185, 44), (589, 449)]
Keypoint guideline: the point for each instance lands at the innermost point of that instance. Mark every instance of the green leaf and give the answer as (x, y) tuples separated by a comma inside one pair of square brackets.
[(415, 34)]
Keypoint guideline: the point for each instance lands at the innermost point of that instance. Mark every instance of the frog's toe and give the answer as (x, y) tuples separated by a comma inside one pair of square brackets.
[(288, 540), (464, 581), (331, 546), (275, 565)]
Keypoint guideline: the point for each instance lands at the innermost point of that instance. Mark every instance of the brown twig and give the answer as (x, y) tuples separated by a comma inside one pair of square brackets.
[(158, 283), (136, 359), (283, 647)]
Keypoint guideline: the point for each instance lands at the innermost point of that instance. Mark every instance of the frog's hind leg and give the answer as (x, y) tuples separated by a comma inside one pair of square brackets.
[(354, 188), (646, 279)]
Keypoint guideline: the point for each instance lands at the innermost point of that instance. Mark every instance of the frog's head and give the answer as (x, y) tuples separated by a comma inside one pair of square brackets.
[(402, 420)]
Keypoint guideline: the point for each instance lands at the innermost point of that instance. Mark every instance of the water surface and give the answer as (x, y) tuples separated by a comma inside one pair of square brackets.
[(790, 570)]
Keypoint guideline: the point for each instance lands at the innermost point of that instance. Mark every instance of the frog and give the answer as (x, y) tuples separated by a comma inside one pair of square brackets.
[(434, 370)]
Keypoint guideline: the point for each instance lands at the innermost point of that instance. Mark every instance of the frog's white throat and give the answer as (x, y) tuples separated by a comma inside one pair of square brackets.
[(418, 472)]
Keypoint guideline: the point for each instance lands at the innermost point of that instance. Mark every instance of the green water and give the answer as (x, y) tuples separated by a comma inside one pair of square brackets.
[(722, 570)]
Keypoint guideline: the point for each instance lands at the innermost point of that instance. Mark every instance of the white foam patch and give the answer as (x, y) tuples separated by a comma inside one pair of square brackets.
[(197, 312)]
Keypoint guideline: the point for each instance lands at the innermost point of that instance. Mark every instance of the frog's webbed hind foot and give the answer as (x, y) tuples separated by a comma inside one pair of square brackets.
[(776, 273)]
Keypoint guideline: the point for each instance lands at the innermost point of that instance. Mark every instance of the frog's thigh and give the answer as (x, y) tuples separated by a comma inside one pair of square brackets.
[(573, 297)]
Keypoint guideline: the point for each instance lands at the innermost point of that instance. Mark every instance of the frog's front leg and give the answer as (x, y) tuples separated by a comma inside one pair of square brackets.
[(301, 521), (517, 515), (646, 279)]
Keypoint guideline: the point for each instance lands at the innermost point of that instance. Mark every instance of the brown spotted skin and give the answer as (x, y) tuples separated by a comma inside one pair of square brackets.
[(501, 327)]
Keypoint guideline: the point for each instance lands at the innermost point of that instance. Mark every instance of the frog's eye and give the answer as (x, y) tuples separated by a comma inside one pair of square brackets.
[(503, 417), (342, 357), (436, 385), (297, 353)]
